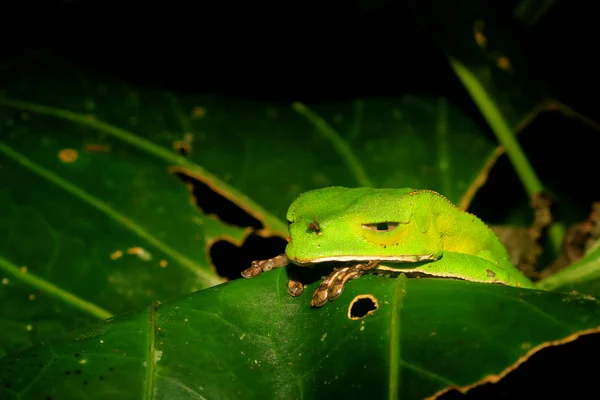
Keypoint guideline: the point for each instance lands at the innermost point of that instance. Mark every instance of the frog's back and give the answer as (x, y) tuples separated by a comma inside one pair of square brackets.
[(463, 232), (338, 200)]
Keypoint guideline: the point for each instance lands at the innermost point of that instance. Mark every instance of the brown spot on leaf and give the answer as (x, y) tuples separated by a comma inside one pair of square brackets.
[(199, 112), (503, 63), (480, 38), (68, 155), (116, 255), (140, 252), (182, 147)]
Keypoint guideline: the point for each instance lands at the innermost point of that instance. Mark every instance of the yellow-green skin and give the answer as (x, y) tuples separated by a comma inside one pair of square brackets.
[(340, 224)]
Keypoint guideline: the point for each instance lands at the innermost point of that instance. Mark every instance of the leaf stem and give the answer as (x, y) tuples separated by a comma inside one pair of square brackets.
[(499, 126)]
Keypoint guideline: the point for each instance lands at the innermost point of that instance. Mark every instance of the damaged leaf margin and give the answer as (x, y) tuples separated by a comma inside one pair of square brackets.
[(495, 378), (271, 223), (98, 204), (547, 106)]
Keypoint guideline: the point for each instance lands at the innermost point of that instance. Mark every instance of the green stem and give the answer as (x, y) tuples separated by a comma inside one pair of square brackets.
[(500, 127), (506, 136)]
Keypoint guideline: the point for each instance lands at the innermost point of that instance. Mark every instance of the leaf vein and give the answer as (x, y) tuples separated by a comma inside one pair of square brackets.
[(208, 278), (339, 144), (53, 290), (231, 193), (151, 359)]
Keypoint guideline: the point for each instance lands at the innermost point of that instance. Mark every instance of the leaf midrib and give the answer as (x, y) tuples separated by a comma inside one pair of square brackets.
[(395, 329)]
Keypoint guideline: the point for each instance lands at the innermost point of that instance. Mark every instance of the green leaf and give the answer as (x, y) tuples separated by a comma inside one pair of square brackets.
[(582, 276), (250, 339), (94, 221)]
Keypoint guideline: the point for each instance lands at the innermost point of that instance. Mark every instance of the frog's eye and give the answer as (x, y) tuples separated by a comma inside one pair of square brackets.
[(383, 233), (381, 226)]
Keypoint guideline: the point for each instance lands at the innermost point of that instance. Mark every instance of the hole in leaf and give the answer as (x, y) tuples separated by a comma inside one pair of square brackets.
[(230, 260), (362, 305), (211, 202)]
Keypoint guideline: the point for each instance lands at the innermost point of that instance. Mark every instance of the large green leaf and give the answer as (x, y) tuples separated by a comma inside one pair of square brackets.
[(93, 221), (250, 339)]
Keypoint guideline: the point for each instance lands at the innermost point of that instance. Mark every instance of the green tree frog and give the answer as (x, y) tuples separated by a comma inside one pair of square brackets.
[(388, 232)]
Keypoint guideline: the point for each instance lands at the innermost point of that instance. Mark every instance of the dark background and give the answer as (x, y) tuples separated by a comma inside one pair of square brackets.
[(325, 50)]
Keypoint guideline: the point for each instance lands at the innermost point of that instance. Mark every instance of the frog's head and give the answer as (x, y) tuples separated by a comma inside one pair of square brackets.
[(358, 224)]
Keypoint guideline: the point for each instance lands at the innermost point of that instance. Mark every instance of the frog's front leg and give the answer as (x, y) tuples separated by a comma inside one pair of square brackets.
[(295, 288), (331, 288), (260, 266)]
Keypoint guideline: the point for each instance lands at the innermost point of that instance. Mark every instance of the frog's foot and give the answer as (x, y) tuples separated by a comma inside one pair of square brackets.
[(260, 266), (331, 288), (295, 288)]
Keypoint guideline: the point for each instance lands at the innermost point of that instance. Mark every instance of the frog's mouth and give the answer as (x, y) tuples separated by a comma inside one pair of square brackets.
[(406, 258)]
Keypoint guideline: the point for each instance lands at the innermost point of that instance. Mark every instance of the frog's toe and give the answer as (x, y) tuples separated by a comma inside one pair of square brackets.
[(253, 271), (319, 297), (295, 288)]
